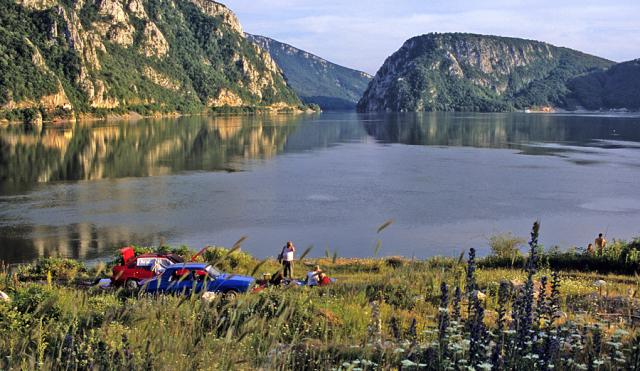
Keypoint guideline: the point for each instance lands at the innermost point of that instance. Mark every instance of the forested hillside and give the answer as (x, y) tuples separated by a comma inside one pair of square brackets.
[(67, 57), (314, 79), (467, 72)]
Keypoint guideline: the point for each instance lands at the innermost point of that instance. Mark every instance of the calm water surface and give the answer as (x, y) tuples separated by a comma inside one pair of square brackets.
[(449, 181)]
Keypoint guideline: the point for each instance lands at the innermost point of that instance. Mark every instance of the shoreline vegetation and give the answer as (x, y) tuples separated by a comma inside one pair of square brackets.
[(39, 116), (30, 117), (548, 308)]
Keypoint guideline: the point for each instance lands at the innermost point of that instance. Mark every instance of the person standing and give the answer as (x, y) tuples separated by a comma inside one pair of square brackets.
[(601, 244), (287, 259)]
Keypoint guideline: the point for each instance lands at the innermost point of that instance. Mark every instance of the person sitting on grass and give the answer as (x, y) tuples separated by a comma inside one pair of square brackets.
[(317, 277), (323, 279), (313, 277), (590, 250), (277, 279)]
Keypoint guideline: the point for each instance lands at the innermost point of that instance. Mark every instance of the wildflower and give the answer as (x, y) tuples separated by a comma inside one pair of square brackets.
[(456, 304), (412, 333), (395, 328), (443, 314), (478, 334), (503, 297), (525, 312), (471, 268)]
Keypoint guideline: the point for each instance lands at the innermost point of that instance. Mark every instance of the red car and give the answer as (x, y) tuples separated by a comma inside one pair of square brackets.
[(135, 269)]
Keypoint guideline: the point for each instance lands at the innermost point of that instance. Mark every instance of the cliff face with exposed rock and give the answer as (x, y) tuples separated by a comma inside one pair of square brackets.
[(88, 56), (467, 72)]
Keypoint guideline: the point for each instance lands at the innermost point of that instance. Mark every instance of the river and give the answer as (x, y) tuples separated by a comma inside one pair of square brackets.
[(448, 181)]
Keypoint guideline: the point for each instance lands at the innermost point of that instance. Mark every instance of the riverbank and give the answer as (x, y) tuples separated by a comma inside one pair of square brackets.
[(387, 313), (35, 116)]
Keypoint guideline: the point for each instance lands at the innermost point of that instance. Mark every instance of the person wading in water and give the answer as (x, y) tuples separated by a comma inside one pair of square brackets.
[(286, 257)]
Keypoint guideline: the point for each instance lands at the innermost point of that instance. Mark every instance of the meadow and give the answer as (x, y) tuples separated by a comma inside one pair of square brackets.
[(543, 310)]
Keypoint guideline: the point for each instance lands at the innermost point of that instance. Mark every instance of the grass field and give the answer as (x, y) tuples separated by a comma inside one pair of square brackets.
[(387, 313)]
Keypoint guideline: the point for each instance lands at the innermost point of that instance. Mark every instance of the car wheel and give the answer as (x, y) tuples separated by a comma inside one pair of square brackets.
[(230, 295), (131, 285)]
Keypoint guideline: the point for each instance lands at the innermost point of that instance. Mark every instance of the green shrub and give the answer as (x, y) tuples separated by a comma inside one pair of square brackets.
[(234, 262), (37, 300), (506, 245), (619, 257), (56, 268), (102, 307), (183, 251), (397, 294), (396, 262)]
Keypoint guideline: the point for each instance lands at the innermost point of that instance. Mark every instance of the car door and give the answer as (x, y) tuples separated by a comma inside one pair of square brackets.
[(144, 268), (182, 282), (216, 284)]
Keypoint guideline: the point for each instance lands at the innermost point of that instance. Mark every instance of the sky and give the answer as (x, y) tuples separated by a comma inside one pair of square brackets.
[(361, 34)]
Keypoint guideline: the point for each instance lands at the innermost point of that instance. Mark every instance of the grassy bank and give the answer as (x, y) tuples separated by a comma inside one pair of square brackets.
[(381, 313)]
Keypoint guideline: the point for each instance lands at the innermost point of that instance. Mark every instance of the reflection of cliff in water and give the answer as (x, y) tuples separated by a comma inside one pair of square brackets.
[(79, 241), (140, 149), (518, 131), (145, 148)]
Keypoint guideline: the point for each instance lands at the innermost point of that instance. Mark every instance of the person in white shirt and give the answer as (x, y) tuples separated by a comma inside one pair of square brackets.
[(286, 256), (313, 277)]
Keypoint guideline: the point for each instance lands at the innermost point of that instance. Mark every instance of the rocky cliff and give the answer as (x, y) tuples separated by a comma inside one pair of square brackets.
[(467, 72), (316, 80), (96, 56), (615, 88)]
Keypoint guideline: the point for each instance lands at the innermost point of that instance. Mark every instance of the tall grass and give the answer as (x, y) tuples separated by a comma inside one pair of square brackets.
[(381, 314)]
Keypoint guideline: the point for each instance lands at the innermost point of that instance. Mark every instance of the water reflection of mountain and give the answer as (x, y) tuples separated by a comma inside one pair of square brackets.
[(325, 131), (497, 130), (127, 149), (79, 241), (145, 148)]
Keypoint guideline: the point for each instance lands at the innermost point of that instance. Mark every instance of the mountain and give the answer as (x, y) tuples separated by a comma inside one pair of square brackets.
[(469, 72), (314, 79), (101, 56), (615, 88)]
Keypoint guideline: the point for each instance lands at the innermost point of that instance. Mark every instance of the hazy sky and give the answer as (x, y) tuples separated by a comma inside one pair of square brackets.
[(362, 33)]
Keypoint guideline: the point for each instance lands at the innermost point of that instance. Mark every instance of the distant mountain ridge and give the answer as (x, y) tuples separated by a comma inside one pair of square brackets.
[(615, 88), (470, 72), (315, 79)]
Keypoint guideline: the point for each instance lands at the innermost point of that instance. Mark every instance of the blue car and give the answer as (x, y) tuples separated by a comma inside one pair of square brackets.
[(187, 278)]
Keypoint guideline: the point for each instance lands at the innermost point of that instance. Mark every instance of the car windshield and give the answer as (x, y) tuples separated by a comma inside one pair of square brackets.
[(213, 272)]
